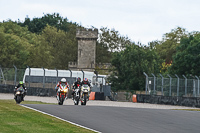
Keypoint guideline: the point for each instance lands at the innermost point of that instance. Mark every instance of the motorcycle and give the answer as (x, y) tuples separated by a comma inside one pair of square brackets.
[(19, 95), (62, 93), (85, 90), (76, 95)]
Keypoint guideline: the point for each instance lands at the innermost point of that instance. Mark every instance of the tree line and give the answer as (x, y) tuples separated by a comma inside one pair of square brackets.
[(50, 42)]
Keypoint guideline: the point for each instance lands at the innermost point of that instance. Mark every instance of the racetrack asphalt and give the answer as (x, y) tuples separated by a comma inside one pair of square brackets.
[(125, 120), (121, 117)]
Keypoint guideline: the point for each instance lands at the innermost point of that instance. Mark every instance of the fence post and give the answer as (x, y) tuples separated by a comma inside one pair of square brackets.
[(194, 89), (83, 73), (146, 82), (29, 75), (70, 77), (154, 83), (177, 85), (170, 85), (197, 85), (43, 78), (185, 85), (162, 83), (70, 73), (1, 74), (15, 74), (56, 75)]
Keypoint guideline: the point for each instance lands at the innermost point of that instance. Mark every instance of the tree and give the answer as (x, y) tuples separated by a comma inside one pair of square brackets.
[(38, 24), (15, 42), (187, 58), (129, 66), (112, 39), (167, 48), (61, 46)]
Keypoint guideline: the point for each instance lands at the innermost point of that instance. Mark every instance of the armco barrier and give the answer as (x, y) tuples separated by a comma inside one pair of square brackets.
[(169, 100)]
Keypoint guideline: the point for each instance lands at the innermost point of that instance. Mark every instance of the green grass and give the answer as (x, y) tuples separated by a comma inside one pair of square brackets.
[(189, 109), (17, 119)]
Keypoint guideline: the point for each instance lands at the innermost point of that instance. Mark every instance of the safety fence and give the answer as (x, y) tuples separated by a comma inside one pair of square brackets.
[(42, 82), (172, 85)]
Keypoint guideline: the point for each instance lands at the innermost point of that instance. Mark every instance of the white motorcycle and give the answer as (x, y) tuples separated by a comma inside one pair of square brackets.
[(85, 90), (76, 96)]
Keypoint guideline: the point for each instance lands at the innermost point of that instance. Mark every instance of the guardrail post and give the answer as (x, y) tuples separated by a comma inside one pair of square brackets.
[(154, 83), (177, 85), (15, 74), (185, 85), (170, 85), (162, 84), (197, 85), (146, 82)]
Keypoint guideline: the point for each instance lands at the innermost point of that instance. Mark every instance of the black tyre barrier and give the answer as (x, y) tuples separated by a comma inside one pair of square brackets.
[(169, 100), (99, 96), (33, 91)]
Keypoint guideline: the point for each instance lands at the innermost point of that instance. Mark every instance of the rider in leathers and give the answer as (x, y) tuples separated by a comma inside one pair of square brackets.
[(75, 85), (85, 81), (21, 84)]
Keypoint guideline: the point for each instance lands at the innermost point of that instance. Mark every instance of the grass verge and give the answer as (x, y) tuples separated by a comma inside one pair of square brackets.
[(189, 109), (17, 119)]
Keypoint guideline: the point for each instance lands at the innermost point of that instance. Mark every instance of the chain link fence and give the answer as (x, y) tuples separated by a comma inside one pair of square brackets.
[(172, 86)]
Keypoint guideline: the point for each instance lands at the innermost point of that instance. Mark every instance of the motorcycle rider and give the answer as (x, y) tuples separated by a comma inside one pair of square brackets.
[(75, 85), (21, 84), (85, 81), (62, 81)]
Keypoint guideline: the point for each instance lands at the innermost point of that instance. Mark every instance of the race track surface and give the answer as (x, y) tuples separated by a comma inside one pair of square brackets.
[(126, 120), (120, 117)]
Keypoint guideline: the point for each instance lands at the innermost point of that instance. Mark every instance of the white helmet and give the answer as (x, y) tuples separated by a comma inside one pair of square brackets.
[(63, 80)]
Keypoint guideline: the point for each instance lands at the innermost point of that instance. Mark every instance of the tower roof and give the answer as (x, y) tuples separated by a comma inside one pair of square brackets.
[(87, 33)]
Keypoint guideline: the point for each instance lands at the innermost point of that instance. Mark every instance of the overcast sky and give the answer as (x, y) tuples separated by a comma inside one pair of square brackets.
[(140, 20)]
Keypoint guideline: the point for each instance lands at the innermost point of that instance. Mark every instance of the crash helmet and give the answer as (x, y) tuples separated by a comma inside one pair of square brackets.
[(85, 79), (79, 79), (21, 82), (63, 80)]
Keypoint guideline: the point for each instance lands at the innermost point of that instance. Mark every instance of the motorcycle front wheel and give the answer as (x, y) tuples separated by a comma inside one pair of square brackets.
[(61, 100), (85, 99), (18, 99)]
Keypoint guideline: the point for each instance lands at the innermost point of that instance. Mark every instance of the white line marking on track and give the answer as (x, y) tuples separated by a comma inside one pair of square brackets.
[(60, 118)]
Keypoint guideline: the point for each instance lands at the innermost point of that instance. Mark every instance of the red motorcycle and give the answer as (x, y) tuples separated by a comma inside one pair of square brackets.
[(62, 93)]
